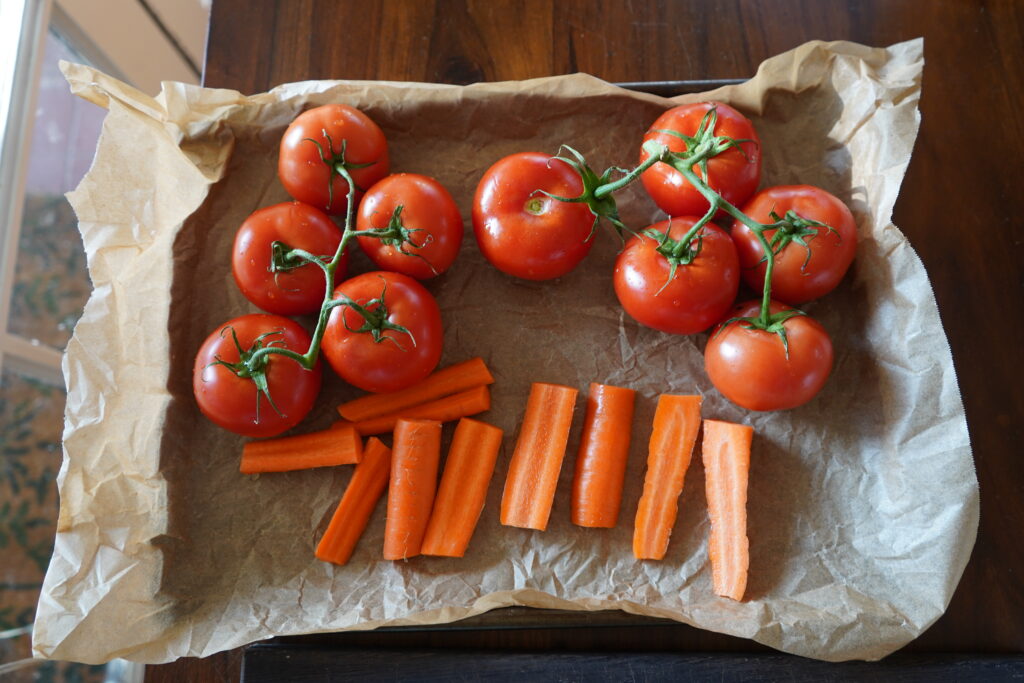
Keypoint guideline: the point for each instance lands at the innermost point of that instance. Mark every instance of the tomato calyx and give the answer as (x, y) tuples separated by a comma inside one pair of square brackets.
[(337, 164), (376, 322), (702, 145), (679, 252), (773, 323), (793, 228), (396, 235), (595, 194), (284, 258), (253, 366)]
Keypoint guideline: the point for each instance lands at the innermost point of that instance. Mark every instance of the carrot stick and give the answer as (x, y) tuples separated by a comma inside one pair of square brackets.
[(537, 460), (676, 423), (601, 462), (726, 450), (411, 490), (341, 446), (446, 409), (450, 380), (463, 489), (369, 479)]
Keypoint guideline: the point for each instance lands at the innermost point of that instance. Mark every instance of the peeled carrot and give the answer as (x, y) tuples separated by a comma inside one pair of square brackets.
[(537, 460), (335, 446), (601, 461), (676, 423), (446, 409), (365, 488), (463, 489), (726, 449), (445, 382), (417, 453)]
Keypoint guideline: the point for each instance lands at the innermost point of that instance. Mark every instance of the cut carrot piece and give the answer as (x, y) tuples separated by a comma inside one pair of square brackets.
[(676, 423), (445, 409), (450, 380), (369, 479), (601, 461), (335, 446), (537, 460), (463, 489), (417, 453), (726, 449)]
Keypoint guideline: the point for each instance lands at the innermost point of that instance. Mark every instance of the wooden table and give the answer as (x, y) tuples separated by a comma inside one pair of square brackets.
[(957, 206)]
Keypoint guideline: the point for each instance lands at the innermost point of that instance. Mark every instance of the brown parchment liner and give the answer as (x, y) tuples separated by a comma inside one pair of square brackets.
[(863, 504)]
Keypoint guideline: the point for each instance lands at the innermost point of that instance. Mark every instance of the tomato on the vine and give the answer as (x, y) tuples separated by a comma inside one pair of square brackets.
[(523, 232), (424, 238), (814, 265), (692, 298), (394, 341), (321, 139), (753, 368), (277, 284), (234, 402)]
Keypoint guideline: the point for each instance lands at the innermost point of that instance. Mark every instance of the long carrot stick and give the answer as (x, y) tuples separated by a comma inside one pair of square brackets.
[(445, 382), (601, 461), (726, 449), (446, 409), (463, 490), (318, 449), (369, 479), (676, 423), (537, 460), (414, 462)]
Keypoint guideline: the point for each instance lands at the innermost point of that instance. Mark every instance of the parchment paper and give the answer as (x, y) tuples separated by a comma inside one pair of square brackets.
[(863, 504)]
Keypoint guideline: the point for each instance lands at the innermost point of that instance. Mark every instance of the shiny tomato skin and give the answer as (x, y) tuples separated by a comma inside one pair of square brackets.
[(301, 226), (751, 369), (305, 176), (230, 401), (699, 294), (524, 233), (385, 366), (831, 253), (428, 208), (732, 175)]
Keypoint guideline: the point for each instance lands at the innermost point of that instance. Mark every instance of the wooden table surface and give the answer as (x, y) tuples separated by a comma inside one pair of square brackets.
[(957, 205)]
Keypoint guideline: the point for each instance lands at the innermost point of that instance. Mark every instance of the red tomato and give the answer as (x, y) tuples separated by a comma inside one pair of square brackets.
[(751, 368), (428, 212), (233, 402), (795, 277), (700, 292), (524, 233), (308, 178), (299, 226), (731, 174), (396, 361)]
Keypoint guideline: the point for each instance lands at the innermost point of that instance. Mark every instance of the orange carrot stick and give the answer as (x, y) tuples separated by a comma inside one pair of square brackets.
[(369, 479), (414, 464), (450, 380), (537, 460), (463, 489), (676, 423), (445, 409), (726, 450), (329, 447), (601, 462)]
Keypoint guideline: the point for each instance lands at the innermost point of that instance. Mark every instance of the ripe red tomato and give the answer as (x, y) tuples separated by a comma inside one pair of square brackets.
[(428, 213), (731, 174), (751, 367), (307, 177), (299, 226), (795, 277), (524, 233), (233, 402), (700, 292), (396, 361)]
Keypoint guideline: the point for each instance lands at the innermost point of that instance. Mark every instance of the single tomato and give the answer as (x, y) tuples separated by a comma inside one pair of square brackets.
[(321, 139), (367, 351), (523, 232), (285, 287), (801, 273), (426, 235), (233, 402), (733, 174), (692, 299), (753, 369)]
